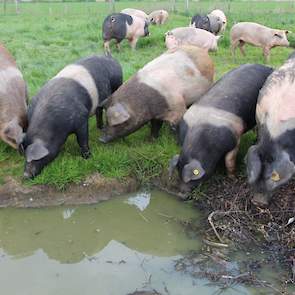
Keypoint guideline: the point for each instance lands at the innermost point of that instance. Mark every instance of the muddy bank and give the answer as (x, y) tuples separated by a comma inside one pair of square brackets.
[(95, 188)]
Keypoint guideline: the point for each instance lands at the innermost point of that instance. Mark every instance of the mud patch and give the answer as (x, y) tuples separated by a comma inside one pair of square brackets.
[(93, 190)]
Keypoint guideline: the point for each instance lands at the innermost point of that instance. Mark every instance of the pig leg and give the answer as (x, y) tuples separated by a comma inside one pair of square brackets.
[(106, 46), (155, 127), (118, 45), (82, 138), (266, 53), (99, 119), (242, 48), (133, 42), (230, 160), (234, 45)]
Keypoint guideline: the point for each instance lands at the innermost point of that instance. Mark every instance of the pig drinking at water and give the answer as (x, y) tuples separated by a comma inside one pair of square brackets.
[(211, 128), (271, 162), (63, 106), (257, 35), (191, 36), (159, 92), (121, 26), (13, 100)]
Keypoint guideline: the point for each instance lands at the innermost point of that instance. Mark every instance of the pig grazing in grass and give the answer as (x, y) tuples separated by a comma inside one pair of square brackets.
[(191, 36), (220, 14), (257, 35), (211, 128), (160, 91), (121, 26), (210, 23), (201, 22), (63, 106), (271, 162), (13, 100), (158, 17)]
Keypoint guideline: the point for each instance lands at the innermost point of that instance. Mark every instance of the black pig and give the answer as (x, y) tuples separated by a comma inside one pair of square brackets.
[(63, 106), (211, 128)]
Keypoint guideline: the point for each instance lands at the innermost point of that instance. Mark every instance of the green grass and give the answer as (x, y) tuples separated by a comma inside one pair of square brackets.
[(47, 36)]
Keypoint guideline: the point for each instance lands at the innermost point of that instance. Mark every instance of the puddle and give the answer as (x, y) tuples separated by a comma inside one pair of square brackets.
[(113, 248)]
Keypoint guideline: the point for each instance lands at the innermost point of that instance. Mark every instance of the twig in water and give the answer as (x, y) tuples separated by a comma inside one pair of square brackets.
[(213, 244)]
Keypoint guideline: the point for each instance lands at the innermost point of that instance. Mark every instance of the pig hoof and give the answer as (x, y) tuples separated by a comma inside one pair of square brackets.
[(104, 139), (86, 154), (27, 176)]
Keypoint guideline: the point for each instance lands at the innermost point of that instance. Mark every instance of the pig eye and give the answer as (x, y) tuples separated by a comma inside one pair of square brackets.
[(279, 36)]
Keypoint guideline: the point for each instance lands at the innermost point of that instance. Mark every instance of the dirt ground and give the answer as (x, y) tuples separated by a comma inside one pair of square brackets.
[(93, 190)]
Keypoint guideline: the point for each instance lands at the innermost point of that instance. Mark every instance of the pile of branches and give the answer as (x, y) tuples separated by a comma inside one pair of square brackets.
[(233, 217)]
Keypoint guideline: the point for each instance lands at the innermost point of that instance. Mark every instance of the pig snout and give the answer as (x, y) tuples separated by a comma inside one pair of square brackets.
[(261, 199), (31, 171)]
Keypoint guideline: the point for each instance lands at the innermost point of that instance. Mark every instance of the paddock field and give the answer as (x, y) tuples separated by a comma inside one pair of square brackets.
[(45, 37)]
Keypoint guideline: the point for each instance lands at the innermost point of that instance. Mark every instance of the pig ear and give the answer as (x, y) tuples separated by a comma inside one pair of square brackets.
[(36, 151), (117, 114), (172, 164), (192, 171), (253, 164), (14, 131)]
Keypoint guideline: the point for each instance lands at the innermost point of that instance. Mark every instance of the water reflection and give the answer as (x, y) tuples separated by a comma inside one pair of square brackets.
[(68, 234)]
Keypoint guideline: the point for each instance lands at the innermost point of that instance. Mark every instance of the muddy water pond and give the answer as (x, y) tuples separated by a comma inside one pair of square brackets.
[(117, 247)]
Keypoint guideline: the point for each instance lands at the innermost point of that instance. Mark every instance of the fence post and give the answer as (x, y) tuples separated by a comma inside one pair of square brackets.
[(4, 6), (187, 7), (173, 5), (112, 5)]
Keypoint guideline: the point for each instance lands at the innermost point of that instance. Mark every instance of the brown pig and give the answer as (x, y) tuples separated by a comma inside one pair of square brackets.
[(158, 17), (160, 91), (257, 35), (191, 36), (13, 100)]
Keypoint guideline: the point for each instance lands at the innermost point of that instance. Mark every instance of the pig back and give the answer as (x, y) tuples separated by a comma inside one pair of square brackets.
[(237, 92), (182, 74), (276, 102)]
